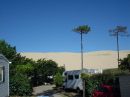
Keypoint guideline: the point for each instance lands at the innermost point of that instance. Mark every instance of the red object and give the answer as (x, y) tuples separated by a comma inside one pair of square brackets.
[(103, 91)]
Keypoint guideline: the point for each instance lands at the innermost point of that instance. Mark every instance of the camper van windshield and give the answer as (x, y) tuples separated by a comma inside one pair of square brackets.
[(76, 76)]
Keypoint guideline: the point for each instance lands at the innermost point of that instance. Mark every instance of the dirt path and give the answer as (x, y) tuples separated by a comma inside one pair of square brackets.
[(51, 91), (42, 89), (47, 91)]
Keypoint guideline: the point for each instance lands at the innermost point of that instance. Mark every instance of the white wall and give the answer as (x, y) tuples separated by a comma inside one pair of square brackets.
[(4, 86)]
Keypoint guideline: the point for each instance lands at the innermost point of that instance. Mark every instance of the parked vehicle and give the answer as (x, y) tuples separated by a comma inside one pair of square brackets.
[(72, 79)]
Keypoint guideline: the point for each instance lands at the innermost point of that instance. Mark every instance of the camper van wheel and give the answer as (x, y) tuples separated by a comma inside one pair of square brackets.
[(63, 87), (78, 90)]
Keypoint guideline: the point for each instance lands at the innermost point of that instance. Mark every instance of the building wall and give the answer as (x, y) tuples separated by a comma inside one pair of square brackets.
[(4, 86), (125, 86)]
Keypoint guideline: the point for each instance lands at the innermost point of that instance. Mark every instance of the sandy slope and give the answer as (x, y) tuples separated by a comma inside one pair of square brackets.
[(97, 60)]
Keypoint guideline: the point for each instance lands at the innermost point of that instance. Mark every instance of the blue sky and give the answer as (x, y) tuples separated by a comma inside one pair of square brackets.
[(46, 25)]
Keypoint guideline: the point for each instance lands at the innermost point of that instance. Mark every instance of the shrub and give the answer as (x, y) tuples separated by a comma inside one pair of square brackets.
[(125, 63), (20, 85), (58, 80), (116, 72), (93, 81)]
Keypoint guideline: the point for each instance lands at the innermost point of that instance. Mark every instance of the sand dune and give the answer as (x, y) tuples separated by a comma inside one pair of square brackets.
[(93, 60)]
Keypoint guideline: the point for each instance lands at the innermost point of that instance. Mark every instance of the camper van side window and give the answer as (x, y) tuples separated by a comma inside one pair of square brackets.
[(65, 73), (76, 76), (1, 74), (70, 77)]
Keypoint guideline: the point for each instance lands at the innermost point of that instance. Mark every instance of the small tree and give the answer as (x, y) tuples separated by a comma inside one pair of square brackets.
[(58, 80), (26, 69), (7, 50), (61, 69), (125, 63), (20, 85)]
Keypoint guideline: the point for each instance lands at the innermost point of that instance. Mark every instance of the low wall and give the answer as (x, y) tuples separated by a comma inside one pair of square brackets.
[(124, 86)]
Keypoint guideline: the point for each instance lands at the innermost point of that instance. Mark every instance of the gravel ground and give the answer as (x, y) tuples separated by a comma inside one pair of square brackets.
[(42, 89), (47, 91), (51, 91)]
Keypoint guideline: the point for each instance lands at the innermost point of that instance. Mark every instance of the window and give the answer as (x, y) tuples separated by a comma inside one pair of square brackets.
[(70, 77), (1, 74), (65, 73), (76, 76)]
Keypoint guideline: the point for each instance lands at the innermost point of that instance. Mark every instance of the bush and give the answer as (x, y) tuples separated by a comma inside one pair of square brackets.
[(58, 80), (109, 77), (23, 69), (116, 72), (93, 81), (125, 63), (20, 85)]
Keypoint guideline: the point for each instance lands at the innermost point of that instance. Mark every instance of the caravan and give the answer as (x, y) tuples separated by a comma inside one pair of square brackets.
[(72, 79)]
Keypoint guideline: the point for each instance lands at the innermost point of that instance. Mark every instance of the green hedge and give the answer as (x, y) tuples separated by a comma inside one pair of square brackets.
[(58, 80), (93, 81), (109, 77), (116, 72), (20, 85)]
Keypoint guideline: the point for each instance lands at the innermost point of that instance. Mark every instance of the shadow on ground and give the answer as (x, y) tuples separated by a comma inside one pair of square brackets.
[(71, 93), (60, 91), (47, 93)]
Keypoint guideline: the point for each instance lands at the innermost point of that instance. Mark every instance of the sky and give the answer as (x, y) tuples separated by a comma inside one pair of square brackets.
[(47, 25)]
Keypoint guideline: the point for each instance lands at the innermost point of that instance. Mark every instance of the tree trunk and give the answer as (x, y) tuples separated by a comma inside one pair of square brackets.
[(81, 51), (83, 81)]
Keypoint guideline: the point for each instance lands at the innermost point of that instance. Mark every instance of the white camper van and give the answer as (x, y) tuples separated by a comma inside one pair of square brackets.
[(72, 79)]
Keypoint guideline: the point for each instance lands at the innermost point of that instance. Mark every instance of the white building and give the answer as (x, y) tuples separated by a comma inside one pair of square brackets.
[(4, 76)]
